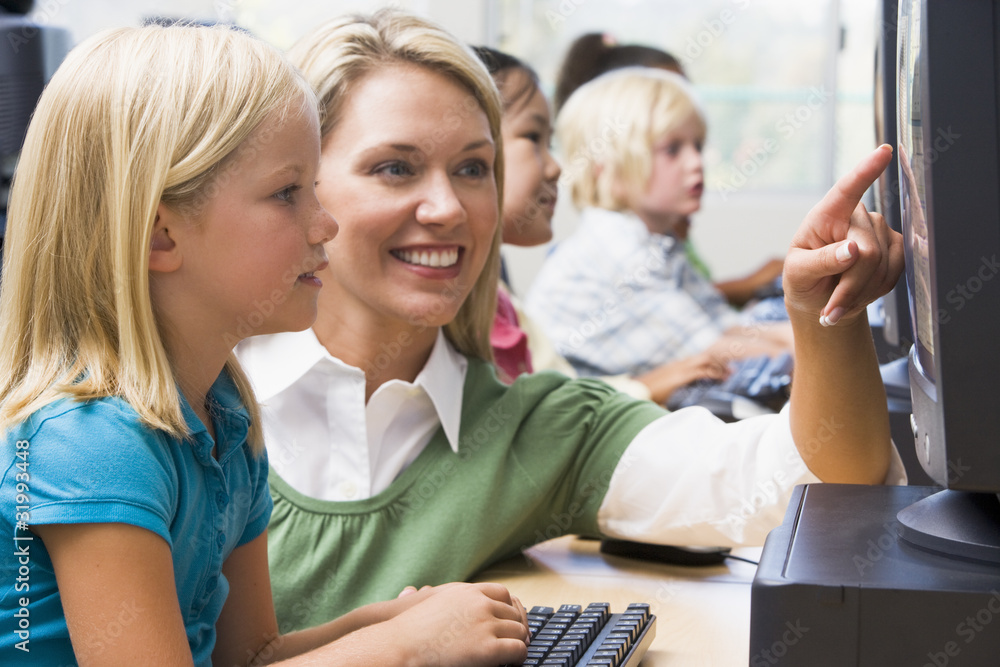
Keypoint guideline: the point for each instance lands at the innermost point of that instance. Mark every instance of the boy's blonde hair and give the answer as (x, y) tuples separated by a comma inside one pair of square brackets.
[(607, 128), (337, 55), (134, 117)]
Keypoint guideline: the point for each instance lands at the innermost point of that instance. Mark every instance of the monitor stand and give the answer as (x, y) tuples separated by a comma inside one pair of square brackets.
[(837, 586)]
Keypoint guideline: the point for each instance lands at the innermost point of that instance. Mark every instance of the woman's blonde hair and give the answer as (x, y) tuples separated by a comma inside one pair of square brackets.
[(134, 117), (336, 56), (607, 128)]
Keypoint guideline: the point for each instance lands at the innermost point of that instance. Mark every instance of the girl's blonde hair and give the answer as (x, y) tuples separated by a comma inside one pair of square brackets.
[(607, 128), (134, 117), (336, 56)]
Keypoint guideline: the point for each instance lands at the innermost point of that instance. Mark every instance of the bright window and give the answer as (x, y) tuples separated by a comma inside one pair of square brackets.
[(786, 84)]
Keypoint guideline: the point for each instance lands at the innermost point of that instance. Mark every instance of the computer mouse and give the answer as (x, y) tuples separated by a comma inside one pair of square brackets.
[(662, 553)]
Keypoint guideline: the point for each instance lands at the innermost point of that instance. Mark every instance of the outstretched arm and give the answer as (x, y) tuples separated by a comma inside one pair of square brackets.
[(841, 259)]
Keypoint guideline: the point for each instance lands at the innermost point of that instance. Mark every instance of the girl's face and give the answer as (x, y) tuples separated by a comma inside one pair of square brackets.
[(530, 172), (408, 174), (255, 243), (676, 180)]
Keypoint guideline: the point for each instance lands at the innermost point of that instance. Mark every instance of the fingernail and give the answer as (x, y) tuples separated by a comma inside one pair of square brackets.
[(884, 146), (831, 318), (844, 251)]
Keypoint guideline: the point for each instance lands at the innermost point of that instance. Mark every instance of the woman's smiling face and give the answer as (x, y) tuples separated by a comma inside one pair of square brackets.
[(407, 172)]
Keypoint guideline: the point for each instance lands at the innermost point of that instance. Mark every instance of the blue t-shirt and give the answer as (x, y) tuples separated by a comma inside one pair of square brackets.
[(95, 462)]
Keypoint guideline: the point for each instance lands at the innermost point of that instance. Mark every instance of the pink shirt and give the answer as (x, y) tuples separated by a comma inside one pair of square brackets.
[(510, 344)]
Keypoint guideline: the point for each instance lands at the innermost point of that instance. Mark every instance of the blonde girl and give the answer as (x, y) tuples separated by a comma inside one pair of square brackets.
[(164, 209)]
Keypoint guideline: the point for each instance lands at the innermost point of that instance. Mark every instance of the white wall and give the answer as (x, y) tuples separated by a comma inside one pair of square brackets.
[(279, 21), (732, 236)]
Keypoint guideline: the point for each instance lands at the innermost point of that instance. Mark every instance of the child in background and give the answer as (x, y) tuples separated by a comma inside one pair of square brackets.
[(531, 176), (594, 54), (164, 208), (619, 295)]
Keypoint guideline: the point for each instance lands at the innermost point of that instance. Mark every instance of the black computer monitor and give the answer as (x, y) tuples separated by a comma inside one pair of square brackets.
[(949, 172), (895, 328), (29, 54), (894, 576)]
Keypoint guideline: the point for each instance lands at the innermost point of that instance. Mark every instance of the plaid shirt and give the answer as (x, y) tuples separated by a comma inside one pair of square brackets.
[(615, 298)]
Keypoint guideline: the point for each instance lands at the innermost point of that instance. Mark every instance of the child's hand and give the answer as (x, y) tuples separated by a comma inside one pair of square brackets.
[(664, 380), (842, 257), (463, 624)]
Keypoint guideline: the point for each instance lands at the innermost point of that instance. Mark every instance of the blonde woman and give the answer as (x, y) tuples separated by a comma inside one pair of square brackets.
[(398, 456), (164, 208)]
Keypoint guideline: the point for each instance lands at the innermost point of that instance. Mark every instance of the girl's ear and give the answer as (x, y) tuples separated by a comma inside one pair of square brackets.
[(164, 255)]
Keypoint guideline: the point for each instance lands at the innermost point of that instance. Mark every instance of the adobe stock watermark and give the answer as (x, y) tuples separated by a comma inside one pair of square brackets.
[(582, 503), (265, 656), (598, 147), (765, 494), (453, 292), (565, 9), (42, 16), (967, 630), (23, 539), (964, 292), (786, 127), (944, 139), (225, 10), (100, 639), (711, 30), (625, 288), (878, 547), (827, 430), (792, 635), (479, 433), (229, 169), (892, 531), (264, 309)]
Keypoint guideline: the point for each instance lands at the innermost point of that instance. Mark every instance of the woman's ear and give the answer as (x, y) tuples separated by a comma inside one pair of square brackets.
[(164, 255)]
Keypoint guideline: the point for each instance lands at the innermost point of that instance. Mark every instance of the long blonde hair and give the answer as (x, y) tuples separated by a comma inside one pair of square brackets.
[(607, 128), (133, 117), (337, 55)]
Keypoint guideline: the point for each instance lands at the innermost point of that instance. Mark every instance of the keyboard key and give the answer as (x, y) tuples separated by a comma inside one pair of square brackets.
[(575, 636)]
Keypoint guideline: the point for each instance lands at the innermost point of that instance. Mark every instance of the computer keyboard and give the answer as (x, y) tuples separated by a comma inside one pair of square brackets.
[(572, 635), (763, 380)]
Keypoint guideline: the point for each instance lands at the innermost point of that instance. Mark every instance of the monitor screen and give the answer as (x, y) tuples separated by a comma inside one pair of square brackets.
[(913, 189), (28, 58), (948, 115), (895, 310)]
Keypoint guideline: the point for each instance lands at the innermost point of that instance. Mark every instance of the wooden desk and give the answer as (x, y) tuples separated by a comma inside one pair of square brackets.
[(703, 613)]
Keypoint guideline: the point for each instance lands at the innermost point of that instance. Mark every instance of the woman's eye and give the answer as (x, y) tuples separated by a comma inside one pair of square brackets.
[(534, 137), (475, 170), (394, 169)]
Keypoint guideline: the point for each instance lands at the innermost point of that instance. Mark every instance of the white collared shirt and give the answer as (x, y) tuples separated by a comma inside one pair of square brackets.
[(687, 478), (315, 416)]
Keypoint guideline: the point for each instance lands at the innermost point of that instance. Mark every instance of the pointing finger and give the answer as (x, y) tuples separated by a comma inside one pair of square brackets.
[(844, 196)]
